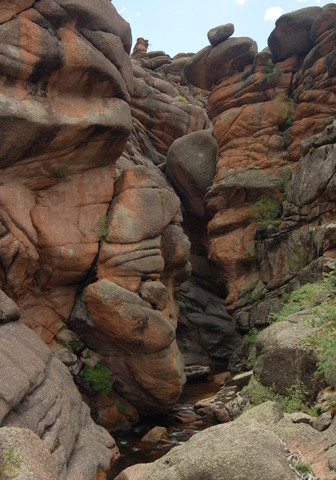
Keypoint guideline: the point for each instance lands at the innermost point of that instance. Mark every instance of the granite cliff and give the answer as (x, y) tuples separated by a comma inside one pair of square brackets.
[(152, 211)]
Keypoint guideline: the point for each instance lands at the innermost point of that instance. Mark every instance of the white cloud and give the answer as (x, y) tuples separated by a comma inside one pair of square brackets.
[(273, 13), (241, 2), (123, 9), (138, 14)]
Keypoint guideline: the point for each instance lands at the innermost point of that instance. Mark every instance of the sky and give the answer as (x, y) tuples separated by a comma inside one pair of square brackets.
[(176, 26)]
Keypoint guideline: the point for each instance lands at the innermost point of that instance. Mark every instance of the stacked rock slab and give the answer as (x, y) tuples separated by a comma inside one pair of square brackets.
[(266, 112), (68, 112), (46, 428)]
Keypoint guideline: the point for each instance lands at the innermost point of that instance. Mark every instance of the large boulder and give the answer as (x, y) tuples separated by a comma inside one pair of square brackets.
[(212, 64), (219, 34), (285, 356), (191, 166), (37, 393), (291, 35), (236, 450)]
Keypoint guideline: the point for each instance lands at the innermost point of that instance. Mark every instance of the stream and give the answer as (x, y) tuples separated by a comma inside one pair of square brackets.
[(182, 423)]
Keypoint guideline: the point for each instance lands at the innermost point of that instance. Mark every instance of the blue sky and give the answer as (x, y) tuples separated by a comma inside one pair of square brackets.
[(182, 25)]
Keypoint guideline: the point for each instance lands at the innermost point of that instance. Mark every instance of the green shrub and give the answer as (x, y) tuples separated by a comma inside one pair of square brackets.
[(250, 339), (304, 469), (301, 298), (256, 297), (182, 99), (98, 377), (294, 401), (60, 173), (265, 211), (311, 150), (271, 70)]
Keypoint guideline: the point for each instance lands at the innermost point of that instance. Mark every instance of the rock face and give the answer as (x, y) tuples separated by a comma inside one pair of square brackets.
[(38, 395), (71, 226), (272, 134), (205, 333), (65, 111)]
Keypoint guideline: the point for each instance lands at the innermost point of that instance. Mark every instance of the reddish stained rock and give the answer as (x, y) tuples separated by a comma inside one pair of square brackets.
[(260, 118), (166, 119), (136, 342), (141, 47), (136, 338)]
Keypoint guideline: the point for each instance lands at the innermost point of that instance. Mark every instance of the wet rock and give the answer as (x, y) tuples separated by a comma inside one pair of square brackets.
[(220, 34), (114, 412), (156, 435), (224, 406)]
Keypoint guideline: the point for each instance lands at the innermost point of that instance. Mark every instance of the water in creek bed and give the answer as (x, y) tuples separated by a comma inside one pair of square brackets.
[(133, 451)]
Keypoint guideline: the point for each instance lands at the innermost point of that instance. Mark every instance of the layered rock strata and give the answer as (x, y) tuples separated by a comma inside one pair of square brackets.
[(38, 396)]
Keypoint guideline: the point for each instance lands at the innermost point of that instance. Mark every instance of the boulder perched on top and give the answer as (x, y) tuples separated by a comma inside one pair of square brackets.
[(211, 64), (219, 34), (292, 33)]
